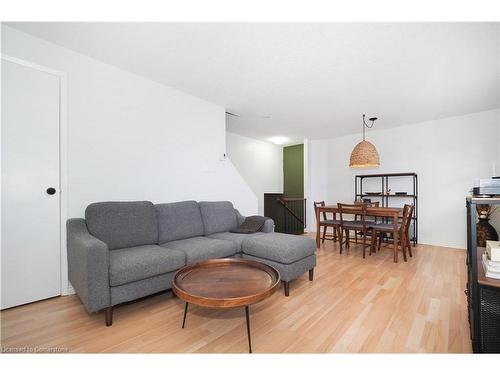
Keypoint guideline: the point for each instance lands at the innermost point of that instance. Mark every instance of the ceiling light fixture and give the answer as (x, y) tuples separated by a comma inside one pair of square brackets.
[(278, 140), (365, 154)]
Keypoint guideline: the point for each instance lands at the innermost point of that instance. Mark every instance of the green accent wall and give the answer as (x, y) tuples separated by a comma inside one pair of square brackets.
[(293, 171)]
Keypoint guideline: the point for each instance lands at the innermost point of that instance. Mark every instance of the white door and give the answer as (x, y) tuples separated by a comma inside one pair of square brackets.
[(30, 166)]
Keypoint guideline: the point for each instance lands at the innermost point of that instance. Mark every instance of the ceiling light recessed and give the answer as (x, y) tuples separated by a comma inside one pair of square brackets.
[(279, 140)]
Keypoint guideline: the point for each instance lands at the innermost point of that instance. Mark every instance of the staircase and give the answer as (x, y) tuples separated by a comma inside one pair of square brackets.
[(289, 214)]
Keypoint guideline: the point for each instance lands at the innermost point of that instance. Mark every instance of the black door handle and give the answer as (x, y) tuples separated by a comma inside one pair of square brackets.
[(51, 191)]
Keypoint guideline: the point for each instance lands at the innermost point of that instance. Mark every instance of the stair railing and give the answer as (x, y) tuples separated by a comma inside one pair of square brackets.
[(294, 214)]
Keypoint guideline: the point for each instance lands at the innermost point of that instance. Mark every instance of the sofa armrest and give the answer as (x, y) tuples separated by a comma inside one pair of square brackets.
[(268, 224), (88, 265)]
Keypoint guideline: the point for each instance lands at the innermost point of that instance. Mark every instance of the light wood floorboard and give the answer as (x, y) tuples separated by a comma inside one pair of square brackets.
[(354, 305)]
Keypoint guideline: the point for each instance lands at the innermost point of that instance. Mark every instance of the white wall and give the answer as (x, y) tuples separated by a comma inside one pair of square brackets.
[(130, 138), (259, 163), (448, 155)]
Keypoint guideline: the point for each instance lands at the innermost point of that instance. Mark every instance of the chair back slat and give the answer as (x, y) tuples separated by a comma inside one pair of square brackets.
[(407, 215), (372, 204), (320, 204), (354, 209), (367, 205)]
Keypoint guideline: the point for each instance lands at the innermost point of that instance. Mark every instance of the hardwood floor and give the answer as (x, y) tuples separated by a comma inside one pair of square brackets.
[(353, 305)]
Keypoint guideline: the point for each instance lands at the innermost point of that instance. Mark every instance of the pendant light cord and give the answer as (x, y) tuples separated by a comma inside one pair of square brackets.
[(366, 125)]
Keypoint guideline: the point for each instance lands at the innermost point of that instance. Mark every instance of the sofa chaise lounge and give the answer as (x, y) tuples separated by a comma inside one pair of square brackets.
[(123, 251)]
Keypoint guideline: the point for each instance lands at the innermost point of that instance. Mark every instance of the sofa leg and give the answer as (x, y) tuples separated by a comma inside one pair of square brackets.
[(287, 288), (311, 274), (108, 314)]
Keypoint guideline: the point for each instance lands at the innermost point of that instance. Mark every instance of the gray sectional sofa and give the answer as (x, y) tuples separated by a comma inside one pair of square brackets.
[(123, 251)]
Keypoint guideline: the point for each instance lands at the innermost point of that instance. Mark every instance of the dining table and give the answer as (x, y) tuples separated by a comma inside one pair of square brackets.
[(393, 213)]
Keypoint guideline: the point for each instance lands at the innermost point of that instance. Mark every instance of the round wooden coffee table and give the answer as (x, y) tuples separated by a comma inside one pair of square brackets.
[(226, 283)]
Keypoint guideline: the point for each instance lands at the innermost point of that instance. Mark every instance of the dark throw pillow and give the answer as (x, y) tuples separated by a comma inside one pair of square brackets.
[(252, 224)]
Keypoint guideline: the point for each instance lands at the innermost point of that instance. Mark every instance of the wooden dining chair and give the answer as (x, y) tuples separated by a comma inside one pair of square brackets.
[(368, 218), (355, 225), (326, 223), (403, 228)]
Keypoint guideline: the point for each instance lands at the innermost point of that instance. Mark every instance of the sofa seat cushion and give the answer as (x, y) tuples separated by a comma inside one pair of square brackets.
[(123, 224), (179, 220), (218, 217), (197, 249), (236, 238), (279, 247), (141, 262)]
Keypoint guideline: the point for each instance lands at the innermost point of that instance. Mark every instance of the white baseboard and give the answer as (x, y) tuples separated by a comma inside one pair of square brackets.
[(71, 290)]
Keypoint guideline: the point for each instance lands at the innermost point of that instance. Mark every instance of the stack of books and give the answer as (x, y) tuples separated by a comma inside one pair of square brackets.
[(491, 259)]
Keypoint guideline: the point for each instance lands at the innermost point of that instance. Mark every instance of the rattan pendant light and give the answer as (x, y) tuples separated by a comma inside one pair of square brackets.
[(364, 154)]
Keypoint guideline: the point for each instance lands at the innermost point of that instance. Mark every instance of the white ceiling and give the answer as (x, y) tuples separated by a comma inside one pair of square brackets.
[(305, 80)]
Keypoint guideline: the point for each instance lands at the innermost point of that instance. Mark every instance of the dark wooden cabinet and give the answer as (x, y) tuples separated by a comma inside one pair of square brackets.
[(483, 294)]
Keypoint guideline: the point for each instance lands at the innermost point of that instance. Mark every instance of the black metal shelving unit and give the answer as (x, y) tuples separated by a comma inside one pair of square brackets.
[(483, 293), (359, 194)]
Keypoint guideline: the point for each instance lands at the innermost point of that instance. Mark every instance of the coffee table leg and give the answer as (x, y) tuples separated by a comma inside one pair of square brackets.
[(185, 313), (248, 329)]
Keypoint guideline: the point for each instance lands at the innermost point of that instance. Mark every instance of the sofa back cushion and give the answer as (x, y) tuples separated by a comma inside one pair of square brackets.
[(179, 220), (123, 224), (218, 217)]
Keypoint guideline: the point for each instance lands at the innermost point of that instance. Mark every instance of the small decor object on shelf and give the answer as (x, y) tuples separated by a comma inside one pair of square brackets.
[(493, 250), (491, 269), (485, 231), (488, 187)]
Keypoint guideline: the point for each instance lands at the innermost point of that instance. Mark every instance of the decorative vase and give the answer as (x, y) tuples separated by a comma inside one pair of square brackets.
[(485, 231)]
